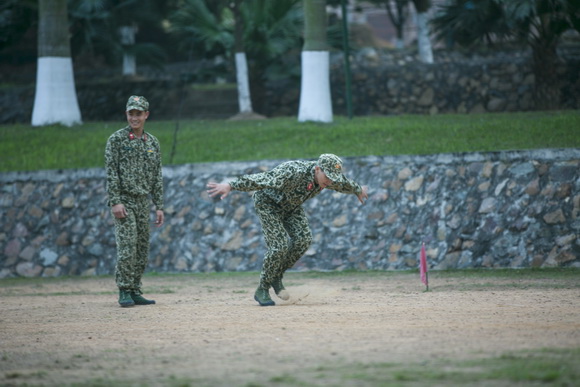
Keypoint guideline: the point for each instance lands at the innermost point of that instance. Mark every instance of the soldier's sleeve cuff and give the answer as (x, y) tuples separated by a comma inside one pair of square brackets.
[(114, 201)]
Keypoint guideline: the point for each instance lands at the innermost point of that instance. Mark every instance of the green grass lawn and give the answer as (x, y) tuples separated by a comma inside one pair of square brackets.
[(26, 148)]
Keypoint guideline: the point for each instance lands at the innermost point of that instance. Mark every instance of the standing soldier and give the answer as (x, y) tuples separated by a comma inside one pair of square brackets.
[(133, 164), (278, 202)]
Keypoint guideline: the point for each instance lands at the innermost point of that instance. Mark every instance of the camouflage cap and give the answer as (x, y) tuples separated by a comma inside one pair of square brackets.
[(331, 165), (136, 102)]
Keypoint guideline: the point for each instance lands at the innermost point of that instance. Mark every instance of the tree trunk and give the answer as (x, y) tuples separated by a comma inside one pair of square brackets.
[(244, 100), (315, 98), (398, 17), (547, 86), (55, 100), (423, 40), (242, 77), (128, 41)]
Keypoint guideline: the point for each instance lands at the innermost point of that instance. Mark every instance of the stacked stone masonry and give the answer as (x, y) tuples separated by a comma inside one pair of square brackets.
[(493, 210), (383, 83)]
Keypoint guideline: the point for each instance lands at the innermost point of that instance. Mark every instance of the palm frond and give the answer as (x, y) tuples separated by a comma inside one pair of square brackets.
[(195, 21)]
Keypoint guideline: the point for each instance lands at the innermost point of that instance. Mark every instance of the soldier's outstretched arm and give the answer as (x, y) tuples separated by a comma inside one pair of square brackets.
[(218, 189)]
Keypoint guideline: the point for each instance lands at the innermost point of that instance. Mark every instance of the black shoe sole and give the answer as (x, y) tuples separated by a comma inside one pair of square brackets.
[(271, 303)]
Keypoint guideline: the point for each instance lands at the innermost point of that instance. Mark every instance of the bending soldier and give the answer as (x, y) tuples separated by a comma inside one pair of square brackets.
[(278, 203)]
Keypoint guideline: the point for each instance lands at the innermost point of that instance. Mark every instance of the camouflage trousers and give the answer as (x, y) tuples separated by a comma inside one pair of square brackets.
[(287, 236), (132, 237)]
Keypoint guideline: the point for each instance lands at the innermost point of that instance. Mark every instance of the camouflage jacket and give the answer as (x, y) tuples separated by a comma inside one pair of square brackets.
[(133, 167), (290, 184)]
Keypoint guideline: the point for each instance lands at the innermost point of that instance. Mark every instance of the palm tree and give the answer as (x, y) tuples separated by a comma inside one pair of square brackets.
[(270, 30), (315, 100), (127, 17), (272, 38), (107, 29), (539, 23), (55, 100)]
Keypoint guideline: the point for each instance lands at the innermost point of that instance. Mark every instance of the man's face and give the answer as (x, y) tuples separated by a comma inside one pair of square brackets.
[(136, 119), (321, 178)]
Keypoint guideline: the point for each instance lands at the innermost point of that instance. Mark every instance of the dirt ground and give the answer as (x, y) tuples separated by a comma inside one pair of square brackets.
[(208, 331)]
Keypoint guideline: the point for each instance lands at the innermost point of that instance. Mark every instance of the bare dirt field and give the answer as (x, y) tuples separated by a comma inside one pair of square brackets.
[(206, 330)]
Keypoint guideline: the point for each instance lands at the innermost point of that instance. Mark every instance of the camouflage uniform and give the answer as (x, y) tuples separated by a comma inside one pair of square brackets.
[(278, 202), (134, 174)]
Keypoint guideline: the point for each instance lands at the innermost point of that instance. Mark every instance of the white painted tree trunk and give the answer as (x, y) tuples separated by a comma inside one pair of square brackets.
[(425, 50), (129, 64), (128, 39), (244, 99), (315, 99), (55, 101)]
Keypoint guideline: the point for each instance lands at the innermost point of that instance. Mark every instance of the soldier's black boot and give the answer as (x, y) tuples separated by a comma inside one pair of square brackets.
[(125, 299), (279, 289), (262, 295), (140, 300)]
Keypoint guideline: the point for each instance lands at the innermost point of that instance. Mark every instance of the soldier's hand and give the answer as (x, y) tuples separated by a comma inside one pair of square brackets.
[(119, 211), (218, 189), (160, 218), (364, 194)]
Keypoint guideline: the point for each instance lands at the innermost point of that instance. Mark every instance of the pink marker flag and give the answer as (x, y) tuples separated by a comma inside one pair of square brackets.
[(423, 267)]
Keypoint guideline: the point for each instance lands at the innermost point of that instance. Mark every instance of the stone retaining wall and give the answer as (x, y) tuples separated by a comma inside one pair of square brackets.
[(505, 209), (383, 83)]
